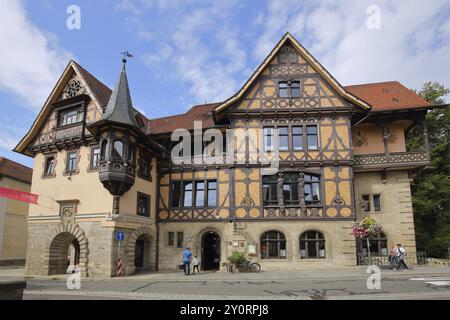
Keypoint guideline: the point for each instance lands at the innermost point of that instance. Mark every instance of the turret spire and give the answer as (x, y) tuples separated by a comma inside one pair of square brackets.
[(120, 106)]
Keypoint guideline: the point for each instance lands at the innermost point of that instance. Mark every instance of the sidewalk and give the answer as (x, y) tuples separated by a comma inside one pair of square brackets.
[(348, 273)]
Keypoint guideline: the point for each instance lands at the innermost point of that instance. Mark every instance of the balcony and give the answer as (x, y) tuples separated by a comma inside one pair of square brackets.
[(70, 131), (397, 159)]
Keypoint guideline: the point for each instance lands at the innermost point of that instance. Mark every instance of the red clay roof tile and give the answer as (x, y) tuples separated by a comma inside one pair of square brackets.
[(14, 170)]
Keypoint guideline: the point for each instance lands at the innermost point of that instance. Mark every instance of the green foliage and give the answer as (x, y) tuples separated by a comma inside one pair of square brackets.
[(237, 257), (431, 188)]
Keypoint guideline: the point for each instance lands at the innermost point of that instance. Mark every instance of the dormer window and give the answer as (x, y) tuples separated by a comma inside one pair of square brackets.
[(70, 117)]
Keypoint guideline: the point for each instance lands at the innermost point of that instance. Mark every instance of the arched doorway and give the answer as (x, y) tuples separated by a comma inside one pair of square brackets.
[(64, 254), (142, 253), (210, 251)]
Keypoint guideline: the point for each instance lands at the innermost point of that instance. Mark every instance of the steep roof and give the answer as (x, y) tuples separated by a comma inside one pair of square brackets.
[(388, 96), (201, 113), (120, 108), (14, 170), (288, 38), (99, 90)]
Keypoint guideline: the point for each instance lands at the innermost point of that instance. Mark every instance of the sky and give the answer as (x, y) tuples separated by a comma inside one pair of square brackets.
[(190, 52)]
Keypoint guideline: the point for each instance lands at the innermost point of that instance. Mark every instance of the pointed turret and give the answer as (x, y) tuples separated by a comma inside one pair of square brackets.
[(120, 107)]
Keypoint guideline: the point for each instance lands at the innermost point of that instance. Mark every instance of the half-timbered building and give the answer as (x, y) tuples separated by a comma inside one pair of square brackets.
[(341, 154)]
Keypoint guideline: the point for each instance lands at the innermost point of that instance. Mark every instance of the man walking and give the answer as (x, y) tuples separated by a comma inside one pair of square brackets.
[(401, 255), (186, 257)]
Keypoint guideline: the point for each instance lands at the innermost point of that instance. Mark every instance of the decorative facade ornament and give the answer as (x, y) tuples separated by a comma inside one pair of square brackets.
[(247, 202), (338, 201), (314, 212), (73, 88), (361, 139)]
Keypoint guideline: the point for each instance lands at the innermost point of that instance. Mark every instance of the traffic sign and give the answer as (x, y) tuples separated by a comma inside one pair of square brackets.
[(120, 236)]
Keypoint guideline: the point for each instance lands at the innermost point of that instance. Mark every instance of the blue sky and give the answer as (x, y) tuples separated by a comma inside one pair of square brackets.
[(190, 52)]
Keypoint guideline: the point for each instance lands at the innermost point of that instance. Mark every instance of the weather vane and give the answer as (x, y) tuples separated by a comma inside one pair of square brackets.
[(126, 55)]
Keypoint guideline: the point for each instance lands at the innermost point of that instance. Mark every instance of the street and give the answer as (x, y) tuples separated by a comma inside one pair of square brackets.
[(419, 283)]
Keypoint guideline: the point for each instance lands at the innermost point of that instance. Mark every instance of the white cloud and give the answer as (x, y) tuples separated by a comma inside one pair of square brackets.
[(412, 46), (30, 60)]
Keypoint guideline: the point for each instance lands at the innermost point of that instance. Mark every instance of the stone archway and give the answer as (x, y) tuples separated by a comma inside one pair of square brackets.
[(65, 237), (141, 241)]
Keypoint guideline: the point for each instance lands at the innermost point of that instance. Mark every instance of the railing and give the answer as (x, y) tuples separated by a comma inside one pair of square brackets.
[(391, 159), (379, 260), (69, 131)]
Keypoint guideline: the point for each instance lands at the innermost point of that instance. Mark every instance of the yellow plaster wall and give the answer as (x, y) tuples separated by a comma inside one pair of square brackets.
[(84, 186)]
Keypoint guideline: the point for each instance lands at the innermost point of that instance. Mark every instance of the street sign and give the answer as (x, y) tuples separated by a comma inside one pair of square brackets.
[(120, 236)]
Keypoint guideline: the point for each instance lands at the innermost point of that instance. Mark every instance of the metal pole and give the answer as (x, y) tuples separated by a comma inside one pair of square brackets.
[(368, 250)]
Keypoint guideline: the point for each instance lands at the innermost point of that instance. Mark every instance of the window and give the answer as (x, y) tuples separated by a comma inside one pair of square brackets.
[(312, 189), (377, 202), (70, 117), (270, 196), (143, 207), (366, 202), (104, 150), (170, 238), (290, 189), (49, 166), (212, 193), (295, 89), (71, 161), (197, 194), (180, 239), (273, 245), (268, 139), (144, 167), (187, 193), (117, 149), (283, 138), (378, 245), (95, 157), (312, 245), (176, 194), (283, 89), (131, 153), (311, 133), (297, 138)]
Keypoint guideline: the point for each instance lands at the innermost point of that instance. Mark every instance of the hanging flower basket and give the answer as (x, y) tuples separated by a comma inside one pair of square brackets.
[(369, 226)]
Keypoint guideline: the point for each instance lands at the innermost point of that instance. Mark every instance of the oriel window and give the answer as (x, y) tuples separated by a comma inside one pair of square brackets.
[(117, 149)]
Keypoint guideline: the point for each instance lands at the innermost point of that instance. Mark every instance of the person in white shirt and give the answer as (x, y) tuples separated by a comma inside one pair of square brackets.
[(195, 263), (401, 255)]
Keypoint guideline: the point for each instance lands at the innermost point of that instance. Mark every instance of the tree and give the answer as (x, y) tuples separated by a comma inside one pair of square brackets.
[(431, 188)]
